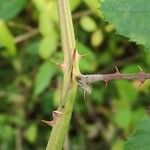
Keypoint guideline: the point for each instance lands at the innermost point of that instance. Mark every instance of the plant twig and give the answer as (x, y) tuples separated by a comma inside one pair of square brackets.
[(26, 36), (81, 14), (20, 25), (85, 80)]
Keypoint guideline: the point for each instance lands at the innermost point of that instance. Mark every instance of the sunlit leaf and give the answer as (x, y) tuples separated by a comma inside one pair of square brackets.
[(74, 4), (43, 77), (97, 38), (88, 24), (6, 39), (93, 6), (48, 46), (31, 133)]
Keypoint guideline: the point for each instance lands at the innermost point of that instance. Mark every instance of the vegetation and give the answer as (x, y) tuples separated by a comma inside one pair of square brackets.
[(39, 82)]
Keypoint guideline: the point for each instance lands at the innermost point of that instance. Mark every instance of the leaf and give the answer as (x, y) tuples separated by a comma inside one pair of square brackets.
[(140, 140), (43, 77), (130, 18), (124, 113), (97, 38), (137, 115), (88, 24), (6, 39), (33, 47), (126, 92), (47, 26), (74, 4), (48, 46), (117, 145), (6, 132), (31, 133), (93, 7), (10, 8)]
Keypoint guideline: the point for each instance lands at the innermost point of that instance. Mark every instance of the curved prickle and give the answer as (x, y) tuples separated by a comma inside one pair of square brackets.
[(55, 115)]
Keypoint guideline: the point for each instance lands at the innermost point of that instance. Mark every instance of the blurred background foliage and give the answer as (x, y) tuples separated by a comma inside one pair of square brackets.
[(30, 84)]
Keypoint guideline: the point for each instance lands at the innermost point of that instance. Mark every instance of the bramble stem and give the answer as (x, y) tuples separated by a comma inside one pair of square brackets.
[(85, 80), (107, 77), (70, 67)]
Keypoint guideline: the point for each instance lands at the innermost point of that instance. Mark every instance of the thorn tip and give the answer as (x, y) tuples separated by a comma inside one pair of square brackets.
[(106, 83), (62, 66), (50, 123), (141, 70), (117, 70)]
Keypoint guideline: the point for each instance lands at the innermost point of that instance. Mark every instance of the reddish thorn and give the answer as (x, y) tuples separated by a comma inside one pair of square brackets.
[(141, 82), (56, 114), (50, 123), (106, 83), (141, 76), (74, 55), (62, 66), (117, 70)]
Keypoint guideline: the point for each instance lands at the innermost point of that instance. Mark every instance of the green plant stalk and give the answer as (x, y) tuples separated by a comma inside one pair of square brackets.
[(70, 68)]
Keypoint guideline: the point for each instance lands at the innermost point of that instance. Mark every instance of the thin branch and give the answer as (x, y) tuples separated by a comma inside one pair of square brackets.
[(85, 80), (26, 36), (81, 14), (20, 25)]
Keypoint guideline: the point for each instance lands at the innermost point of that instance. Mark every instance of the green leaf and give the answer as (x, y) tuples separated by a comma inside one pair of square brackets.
[(88, 24), (93, 6), (137, 115), (130, 18), (6, 39), (97, 38), (48, 46), (74, 4), (6, 132), (140, 140), (31, 133), (117, 145), (33, 47), (43, 77), (47, 26), (10, 8), (126, 91), (124, 113)]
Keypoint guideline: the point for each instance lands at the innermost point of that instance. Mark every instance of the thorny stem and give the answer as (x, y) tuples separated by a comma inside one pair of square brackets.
[(107, 77), (85, 80), (61, 120)]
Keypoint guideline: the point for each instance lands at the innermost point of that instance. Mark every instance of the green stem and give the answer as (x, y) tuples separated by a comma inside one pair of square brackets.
[(69, 88)]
